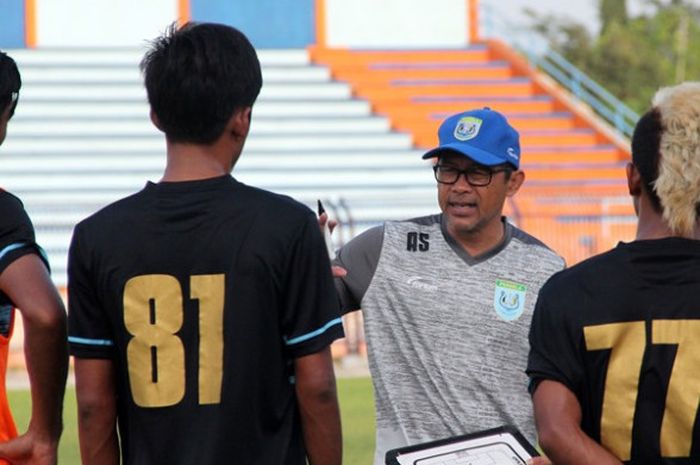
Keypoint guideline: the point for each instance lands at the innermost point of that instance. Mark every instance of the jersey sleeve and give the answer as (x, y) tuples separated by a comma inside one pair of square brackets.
[(89, 332), (311, 319), (359, 257), (16, 233), (555, 339)]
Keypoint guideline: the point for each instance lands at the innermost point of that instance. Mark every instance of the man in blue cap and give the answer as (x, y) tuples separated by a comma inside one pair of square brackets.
[(447, 299)]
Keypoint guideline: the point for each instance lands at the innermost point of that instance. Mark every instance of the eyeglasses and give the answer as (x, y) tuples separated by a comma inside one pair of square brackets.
[(476, 176)]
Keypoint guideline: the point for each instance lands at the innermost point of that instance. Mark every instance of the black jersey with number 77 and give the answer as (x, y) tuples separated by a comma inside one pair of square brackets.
[(622, 332)]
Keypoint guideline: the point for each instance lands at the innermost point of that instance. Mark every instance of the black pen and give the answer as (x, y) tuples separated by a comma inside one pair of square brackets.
[(326, 232)]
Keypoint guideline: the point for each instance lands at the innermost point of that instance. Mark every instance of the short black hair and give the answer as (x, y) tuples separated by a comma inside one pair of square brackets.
[(646, 151), (10, 83), (197, 76)]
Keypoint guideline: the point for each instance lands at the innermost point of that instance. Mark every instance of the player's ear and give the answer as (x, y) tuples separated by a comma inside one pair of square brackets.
[(514, 182), (156, 121), (239, 125), (634, 180)]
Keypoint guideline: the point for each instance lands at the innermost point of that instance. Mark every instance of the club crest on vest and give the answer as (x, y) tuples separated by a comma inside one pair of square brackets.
[(509, 299)]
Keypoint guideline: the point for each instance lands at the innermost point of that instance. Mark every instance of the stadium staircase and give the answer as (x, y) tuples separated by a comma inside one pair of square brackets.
[(347, 127), (82, 138), (575, 183)]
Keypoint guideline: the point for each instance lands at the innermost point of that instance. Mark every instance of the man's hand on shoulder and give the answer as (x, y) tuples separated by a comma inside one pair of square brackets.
[(323, 223)]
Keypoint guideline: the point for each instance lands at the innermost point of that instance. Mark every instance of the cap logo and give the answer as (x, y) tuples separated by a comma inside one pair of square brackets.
[(512, 153), (467, 128)]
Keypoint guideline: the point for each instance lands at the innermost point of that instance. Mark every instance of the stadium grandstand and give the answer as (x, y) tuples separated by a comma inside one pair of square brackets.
[(344, 115)]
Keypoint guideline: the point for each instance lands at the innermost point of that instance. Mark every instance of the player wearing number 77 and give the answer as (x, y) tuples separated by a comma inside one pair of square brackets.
[(201, 309), (615, 340)]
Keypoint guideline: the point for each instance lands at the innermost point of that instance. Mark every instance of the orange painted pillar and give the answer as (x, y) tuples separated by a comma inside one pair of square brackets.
[(30, 23), (184, 12), (321, 24), (473, 20)]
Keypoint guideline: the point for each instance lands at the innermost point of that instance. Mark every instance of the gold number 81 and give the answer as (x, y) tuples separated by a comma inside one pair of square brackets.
[(153, 314)]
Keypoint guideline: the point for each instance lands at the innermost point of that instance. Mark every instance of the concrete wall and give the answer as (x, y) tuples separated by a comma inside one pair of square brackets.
[(88, 23), (268, 23), (101, 22), (396, 23)]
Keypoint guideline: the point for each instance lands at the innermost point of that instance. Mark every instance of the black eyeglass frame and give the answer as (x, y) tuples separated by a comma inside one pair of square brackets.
[(471, 170)]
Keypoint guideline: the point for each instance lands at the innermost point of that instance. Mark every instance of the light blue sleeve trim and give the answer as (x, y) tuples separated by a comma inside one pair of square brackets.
[(312, 334), (92, 342), (11, 247), (19, 245)]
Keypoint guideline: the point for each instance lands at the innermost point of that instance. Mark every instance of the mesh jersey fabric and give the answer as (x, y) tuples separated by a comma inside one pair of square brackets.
[(230, 284), (638, 301), (446, 357)]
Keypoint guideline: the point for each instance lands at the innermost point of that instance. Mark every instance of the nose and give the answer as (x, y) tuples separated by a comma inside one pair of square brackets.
[(462, 184)]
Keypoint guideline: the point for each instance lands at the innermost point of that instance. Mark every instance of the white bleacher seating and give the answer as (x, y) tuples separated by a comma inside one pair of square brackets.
[(82, 138)]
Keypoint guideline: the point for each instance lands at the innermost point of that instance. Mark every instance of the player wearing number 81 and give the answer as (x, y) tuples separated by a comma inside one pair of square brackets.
[(615, 340), (201, 309)]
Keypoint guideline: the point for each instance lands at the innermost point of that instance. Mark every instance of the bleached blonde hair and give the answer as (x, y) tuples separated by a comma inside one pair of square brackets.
[(678, 182)]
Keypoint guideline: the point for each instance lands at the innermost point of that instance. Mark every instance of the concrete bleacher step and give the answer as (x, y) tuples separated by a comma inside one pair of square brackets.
[(155, 142), (111, 108), (278, 179), (130, 74), (128, 91), (410, 73), (345, 57), (520, 121), (115, 162), (382, 92), (139, 126), (115, 57), (426, 106), (582, 155), (528, 138)]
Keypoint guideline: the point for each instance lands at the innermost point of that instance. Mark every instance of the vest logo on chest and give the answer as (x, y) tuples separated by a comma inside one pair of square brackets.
[(509, 299), (417, 242)]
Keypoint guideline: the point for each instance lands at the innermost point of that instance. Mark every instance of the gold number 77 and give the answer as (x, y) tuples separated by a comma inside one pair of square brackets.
[(627, 342)]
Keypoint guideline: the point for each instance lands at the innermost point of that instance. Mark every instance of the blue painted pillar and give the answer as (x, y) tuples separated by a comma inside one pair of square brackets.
[(267, 23), (12, 24)]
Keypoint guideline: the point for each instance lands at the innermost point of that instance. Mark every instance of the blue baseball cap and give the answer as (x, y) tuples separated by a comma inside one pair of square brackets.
[(482, 135)]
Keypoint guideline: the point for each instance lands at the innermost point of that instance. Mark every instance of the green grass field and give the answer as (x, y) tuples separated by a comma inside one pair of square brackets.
[(356, 404)]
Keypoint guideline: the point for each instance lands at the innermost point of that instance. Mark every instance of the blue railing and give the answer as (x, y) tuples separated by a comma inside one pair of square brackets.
[(537, 50)]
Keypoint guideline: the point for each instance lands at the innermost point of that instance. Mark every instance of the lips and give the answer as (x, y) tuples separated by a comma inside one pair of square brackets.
[(462, 207)]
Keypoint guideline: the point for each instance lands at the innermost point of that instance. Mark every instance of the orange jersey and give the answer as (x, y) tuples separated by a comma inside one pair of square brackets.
[(8, 430)]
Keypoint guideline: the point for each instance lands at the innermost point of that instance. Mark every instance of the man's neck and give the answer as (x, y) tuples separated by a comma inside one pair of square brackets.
[(651, 224), (191, 162), (479, 242)]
